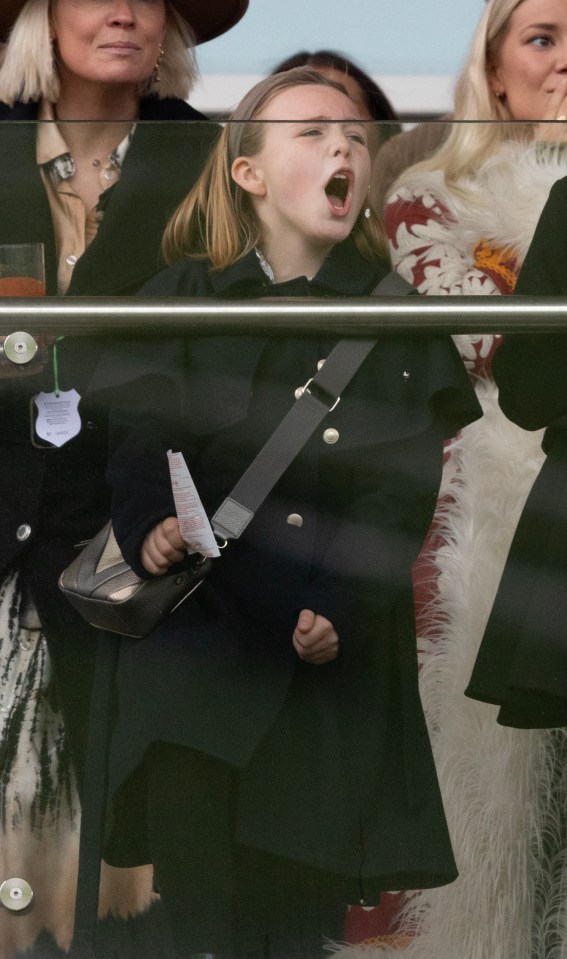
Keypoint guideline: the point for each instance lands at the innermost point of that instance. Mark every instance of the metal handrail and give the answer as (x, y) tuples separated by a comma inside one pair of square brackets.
[(359, 316)]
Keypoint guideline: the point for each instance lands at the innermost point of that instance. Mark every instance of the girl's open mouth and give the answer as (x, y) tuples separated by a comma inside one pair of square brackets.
[(339, 192)]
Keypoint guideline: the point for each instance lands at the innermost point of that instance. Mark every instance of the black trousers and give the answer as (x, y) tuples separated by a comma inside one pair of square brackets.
[(221, 897)]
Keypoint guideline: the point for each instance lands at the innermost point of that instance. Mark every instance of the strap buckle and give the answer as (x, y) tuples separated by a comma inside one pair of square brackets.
[(320, 397)]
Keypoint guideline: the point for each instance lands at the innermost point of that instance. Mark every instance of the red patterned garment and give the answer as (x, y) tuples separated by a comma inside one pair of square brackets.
[(420, 229)]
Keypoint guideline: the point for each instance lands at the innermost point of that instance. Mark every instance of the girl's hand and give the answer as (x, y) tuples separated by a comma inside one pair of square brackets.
[(163, 547), (314, 639), (556, 110)]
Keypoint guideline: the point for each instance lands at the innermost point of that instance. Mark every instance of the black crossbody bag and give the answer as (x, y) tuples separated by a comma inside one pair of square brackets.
[(107, 592)]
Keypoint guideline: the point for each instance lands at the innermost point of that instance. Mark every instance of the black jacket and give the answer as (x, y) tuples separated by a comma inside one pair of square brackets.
[(58, 497), (161, 165), (522, 662), (220, 674)]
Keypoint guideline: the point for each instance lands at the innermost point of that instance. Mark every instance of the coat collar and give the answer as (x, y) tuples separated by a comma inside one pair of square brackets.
[(344, 273), (120, 260)]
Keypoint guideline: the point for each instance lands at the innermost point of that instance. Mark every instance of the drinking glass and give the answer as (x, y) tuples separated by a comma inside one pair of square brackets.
[(22, 269)]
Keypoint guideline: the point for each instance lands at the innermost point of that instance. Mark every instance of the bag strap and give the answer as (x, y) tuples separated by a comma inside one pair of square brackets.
[(319, 396), (393, 285)]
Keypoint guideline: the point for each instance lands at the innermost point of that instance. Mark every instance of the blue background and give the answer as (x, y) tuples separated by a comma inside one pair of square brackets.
[(383, 36)]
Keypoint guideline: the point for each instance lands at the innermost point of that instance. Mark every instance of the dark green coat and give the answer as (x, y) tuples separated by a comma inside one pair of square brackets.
[(522, 662)]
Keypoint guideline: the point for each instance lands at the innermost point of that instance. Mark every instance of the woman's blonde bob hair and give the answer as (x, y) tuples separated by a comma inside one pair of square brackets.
[(217, 221), (28, 62), (470, 144)]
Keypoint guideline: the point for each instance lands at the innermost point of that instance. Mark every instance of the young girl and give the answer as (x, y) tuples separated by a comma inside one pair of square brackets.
[(270, 755)]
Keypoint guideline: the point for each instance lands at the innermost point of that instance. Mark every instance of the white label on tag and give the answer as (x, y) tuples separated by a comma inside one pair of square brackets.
[(193, 521), (58, 419)]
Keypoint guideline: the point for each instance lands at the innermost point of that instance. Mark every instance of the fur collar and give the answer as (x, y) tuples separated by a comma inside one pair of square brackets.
[(503, 202)]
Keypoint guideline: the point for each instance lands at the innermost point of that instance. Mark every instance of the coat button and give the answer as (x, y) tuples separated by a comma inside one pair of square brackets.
[(331, 436), (71, 260), (294, 519), (23, 532), (320, 364), (16, 894), (299, 392)]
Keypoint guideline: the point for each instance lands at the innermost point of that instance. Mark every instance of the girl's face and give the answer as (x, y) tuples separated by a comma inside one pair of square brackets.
[(311, 177), (352, 87), (108, 41), (531, 65)]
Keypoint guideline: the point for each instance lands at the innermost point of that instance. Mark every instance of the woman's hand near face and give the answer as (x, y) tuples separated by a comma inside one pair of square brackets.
[(163, 547), (556, 110), (314, 639)]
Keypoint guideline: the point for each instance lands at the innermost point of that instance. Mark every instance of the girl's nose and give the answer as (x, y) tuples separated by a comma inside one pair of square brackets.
[(341, 143)]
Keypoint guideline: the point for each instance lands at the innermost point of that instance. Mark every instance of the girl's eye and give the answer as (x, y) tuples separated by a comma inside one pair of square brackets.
[(311, 132), (357, 137)]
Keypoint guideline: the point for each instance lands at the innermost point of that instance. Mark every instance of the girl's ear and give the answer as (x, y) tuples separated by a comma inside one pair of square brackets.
[(248, 175)]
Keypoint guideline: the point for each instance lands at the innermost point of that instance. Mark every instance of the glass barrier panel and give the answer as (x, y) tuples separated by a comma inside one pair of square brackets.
[(364, 695)]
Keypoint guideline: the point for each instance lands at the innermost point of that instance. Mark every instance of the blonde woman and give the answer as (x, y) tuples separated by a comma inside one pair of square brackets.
[(97, 194), (460, 223)]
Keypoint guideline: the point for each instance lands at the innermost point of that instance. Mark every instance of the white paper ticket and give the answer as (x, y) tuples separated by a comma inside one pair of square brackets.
[(193, 521)]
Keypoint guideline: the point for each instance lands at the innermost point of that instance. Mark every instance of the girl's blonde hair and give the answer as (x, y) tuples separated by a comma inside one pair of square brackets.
[(28, 63), (217, 221), (470, 144)]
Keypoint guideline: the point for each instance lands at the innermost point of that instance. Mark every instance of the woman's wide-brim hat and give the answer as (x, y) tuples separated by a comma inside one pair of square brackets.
[(207, 18)]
